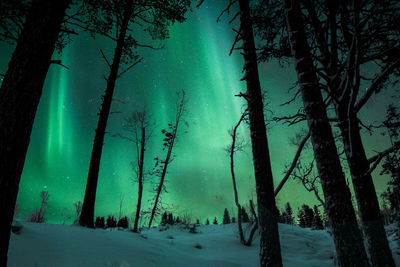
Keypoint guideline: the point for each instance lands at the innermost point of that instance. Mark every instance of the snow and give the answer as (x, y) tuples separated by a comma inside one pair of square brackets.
[(45, 245)]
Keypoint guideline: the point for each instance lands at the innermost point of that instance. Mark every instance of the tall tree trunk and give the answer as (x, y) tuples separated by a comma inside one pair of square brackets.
[(163, 174), (364, 189), (140, 179), (87, 215), (346, 234), (270, 249), (20, 94)]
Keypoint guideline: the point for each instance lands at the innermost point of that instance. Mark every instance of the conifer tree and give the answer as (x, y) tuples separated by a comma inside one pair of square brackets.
[(226, 218), (215, 220), (317, 222)]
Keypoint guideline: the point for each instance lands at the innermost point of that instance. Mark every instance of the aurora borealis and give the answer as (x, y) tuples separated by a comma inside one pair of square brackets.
[(195, 59)]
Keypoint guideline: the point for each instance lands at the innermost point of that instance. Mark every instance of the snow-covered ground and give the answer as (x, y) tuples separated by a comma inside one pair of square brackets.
[(45, 245)]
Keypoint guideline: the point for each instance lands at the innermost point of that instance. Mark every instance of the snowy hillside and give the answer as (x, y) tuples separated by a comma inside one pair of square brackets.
[(45, 245)]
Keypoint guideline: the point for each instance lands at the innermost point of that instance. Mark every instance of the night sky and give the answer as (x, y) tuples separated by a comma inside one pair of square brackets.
[(195, 59)]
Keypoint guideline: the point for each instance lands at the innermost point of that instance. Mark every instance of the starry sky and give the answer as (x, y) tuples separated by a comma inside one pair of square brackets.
[(195, 59)]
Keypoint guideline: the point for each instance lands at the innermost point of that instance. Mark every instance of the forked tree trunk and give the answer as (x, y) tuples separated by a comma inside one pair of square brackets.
[(346, 234), (19, 97), (140, 179), (270, 249), (87, 215), (364, 189)]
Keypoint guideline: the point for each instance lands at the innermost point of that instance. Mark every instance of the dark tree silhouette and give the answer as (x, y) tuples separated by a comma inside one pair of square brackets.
[(317, 221), (139, 128), (270, 251), (20, 93), (226, 219), (347, 237), (169, 141), (118, 17)]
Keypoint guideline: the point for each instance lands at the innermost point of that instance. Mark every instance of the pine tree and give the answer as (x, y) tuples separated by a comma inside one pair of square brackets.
[(244, 215), (100, 223), (317, 222), (164, 218), (215, 220), (207, 222), (226, 218), (170, 219), (289, 214)]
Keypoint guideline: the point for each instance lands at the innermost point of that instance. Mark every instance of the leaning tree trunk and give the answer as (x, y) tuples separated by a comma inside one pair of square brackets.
[(270, 249), (346, 234), (87, 215), (19, 97), (364, 189), (140, 179)]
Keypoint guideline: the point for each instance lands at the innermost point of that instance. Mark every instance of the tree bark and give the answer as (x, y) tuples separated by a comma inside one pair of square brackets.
[(20, 94), (140, 179), (270, 250), (87, 215), (347, 237), (364, 189)]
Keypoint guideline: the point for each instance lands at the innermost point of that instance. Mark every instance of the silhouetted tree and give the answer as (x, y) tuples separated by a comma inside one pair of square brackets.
[(226, 218), (347, 237), (287, 215), (170, 137), (100, 223), (20, 93), (244, 216), (123, 223), (215, 220), (119, 17), (207, 222), (317, 222), (305, 216), (37, 215), (270, 253), (138, 128), (111, 222)]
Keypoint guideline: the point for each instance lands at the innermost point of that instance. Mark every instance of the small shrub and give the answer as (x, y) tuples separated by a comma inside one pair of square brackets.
[(198, 246)]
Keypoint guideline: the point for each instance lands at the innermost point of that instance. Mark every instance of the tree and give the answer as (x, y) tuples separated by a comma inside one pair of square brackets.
[(139, 128), (226, 218), (207, 222), (37, 215), (20, 93), (244, 216), (306, 216), (215, 220), (119, 17), (170, 137), (270, 251), (287, 214), (317, 221), (347, 237)]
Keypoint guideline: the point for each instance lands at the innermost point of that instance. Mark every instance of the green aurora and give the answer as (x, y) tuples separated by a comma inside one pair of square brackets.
[(195, 59)]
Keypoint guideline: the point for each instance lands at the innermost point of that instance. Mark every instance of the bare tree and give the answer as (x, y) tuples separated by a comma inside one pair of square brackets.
[(170, 137), (37, 215), (139, 127)]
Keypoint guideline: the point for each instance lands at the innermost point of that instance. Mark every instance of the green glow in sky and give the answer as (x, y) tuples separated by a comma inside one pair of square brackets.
[(195, 59)]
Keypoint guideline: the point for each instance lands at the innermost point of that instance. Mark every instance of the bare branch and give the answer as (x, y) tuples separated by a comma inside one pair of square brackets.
[(375, 160), (105, 58), (293, 165), (376, 83), (131, 66), (58, 62)]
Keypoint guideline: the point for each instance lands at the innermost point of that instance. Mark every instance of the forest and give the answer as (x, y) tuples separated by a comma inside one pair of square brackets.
[(274, 124)]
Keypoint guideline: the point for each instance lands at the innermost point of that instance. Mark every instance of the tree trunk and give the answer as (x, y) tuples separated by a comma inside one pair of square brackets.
[(270, 250), (20, 94), (140, 179), (346, 234), (364, 189), (163, 174), (87, 215)]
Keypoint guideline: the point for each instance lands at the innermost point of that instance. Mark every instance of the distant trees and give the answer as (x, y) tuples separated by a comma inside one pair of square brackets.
[(287, 215), (20, 93), (215, 220), (119, 17), (170, 137)]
